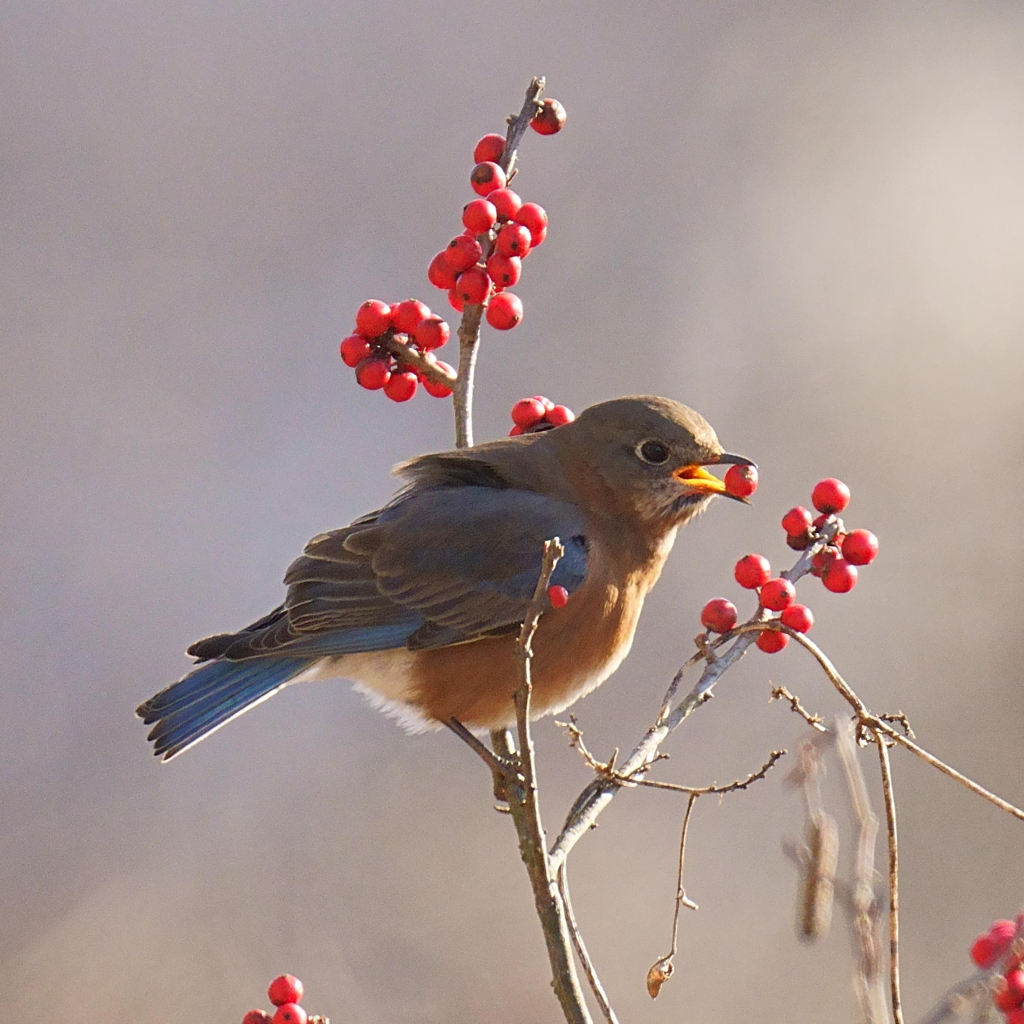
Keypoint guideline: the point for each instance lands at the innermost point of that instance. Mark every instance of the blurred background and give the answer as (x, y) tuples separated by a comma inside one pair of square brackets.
[(805, 220)]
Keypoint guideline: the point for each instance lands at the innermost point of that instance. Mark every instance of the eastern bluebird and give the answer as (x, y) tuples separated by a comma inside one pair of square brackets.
[(420, 602)]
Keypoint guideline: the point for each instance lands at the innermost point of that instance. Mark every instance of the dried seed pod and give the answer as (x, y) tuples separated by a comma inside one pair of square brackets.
[(819, 876)]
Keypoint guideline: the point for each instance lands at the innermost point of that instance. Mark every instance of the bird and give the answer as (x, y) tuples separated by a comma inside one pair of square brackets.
[(420, 602)]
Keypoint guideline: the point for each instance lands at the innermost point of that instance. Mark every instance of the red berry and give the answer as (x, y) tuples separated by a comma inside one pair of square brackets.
[(546, 402), (516, 431), (796, 521), (486, 177), (549, 119), (257, 1017), (822, 559), (513, 240), (860, 547), (533, 217), (797, 617), (408, 314), (290, 1013), (799, 542), (558, 596), (771, 641), (490, 147), (777, 594), (373, 373), (479, 216), (401, 386), (752, 571), (285, 989), (983, 951), (439, 390), (373, 318), (462, 253), (506, 202), (839, 576), (527, 412), (820, 521), (741, 481), (439, 274), (1015, 1017), (559, 415), (830, 496), (473, 286), (455, 301), (354, 349), (504, 311), (1009, 991), (718, 615), (431, 332), (504, 271)]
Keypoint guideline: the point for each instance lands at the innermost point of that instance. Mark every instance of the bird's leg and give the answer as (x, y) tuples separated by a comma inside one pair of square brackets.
[(502, 768)]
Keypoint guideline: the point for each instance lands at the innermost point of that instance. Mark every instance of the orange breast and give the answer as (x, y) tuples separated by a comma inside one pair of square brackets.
[(575, 649)]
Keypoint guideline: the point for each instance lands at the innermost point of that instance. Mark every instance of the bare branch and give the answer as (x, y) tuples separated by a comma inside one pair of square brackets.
[(814, 721), (894, 902), (581, 949), (663, 968)]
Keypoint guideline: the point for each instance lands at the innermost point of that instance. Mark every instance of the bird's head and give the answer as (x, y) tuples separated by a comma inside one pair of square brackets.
[(646, 457)]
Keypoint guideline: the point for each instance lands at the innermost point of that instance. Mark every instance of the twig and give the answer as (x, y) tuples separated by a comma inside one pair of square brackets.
[(877, 724), (581, 949), (469, 328), (663, 968), (524, 807), (417, 360), (599, 793), (814, 721), (894, 922)]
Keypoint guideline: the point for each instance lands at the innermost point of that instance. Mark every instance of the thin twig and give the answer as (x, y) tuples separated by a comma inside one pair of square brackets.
[(420, 361), (663, 968), (469, 328), (894, 902), (814, 721), (581, 948), (524, 807), (599, 793)]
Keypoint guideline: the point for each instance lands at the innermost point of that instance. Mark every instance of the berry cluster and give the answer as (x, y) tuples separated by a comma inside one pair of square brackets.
[(285, 993), (393, 346), (531, 415), (500, 231), (835, 563), (1001, 950)]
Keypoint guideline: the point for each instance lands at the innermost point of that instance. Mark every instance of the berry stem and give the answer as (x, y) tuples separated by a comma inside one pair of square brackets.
[(469, 328), (415, 359)]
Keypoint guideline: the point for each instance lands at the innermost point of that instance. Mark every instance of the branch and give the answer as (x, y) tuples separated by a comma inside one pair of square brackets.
[(524, 807), (581, 949), (663, 969), (425, 364), (593, 800), (894, 922), (469, 328)]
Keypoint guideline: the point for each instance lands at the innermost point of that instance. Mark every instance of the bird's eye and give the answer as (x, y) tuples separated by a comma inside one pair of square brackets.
[(653, 452)]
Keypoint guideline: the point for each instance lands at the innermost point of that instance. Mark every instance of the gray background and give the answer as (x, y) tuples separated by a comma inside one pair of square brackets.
[(804, 219)]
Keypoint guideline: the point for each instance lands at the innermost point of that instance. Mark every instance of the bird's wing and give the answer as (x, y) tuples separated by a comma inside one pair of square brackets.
[(436, 567)]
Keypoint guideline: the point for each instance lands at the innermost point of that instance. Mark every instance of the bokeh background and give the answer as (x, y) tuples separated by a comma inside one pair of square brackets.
[(804, 219)]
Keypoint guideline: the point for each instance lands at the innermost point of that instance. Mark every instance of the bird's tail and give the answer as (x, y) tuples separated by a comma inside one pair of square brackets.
[(209, 697)]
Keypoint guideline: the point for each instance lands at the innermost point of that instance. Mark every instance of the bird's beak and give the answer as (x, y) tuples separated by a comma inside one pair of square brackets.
[(697, 478)]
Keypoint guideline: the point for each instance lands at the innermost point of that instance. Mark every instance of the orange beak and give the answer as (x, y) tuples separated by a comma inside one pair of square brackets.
[(697, 478)]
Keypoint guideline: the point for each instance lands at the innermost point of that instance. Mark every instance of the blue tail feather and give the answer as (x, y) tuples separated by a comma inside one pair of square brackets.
[(211, 695)]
